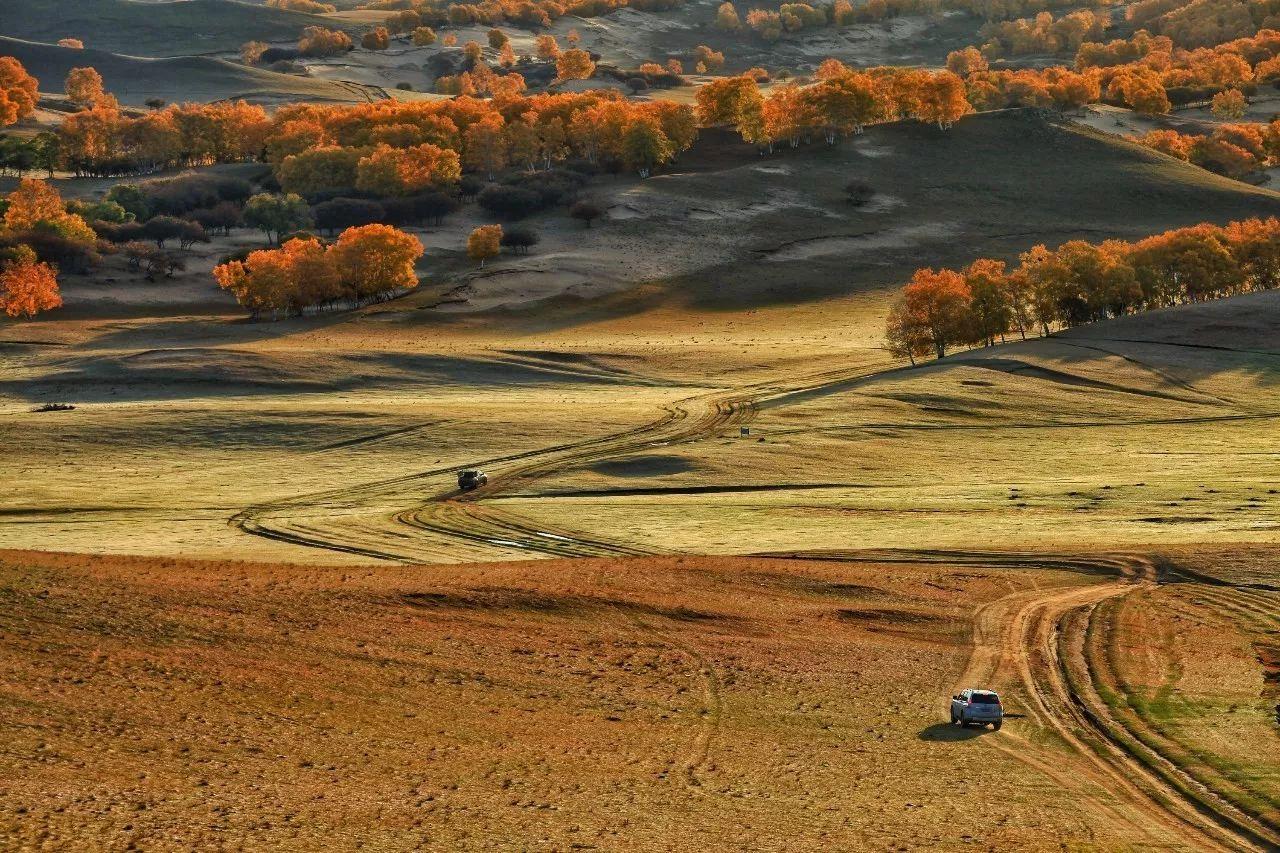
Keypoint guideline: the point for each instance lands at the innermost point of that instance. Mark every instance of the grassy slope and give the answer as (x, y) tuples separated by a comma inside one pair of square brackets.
[(151, 29), (993, 185), (133, 80), (742, 231), (668, 704)]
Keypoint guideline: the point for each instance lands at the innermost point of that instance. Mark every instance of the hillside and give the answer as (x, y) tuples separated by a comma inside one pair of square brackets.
[(133, 80), (174, 28), (741, 230)]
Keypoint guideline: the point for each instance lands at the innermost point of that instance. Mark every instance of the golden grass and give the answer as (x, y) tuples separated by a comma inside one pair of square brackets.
[(671, 703)]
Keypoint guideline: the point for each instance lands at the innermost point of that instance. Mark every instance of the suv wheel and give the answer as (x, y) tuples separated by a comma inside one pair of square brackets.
[(996, 725)]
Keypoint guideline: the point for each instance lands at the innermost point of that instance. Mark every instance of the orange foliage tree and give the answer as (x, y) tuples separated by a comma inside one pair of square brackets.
[(36, 204), (27, 286), (19, 91), (84, 86), (575, 64), (321, 42), (365, 263), (376, 39), (395, 171), (484, 242), (1082, 282)]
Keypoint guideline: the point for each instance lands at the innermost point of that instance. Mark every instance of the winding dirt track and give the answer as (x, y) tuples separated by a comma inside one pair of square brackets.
[(464, 522), (1032, 644)]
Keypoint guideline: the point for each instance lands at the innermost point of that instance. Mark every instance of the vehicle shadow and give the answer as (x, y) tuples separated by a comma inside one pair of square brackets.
[(950, 732)]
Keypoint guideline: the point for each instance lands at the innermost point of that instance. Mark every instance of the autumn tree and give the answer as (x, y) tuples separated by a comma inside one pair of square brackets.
[(366, 262), (727, 19), (1229, 104), (574, 64), (376, 39), (319, 170), (645, 146), (989, 306), (712, 59), (27, 286), (84, 87), (484, 242), (546, 48), (373, 259), (940, 99), (251, 52), (906, 334), (736, 101), (939, 299), (497, 38), (37, 206), (966, 62), (19, 91), (405, 171), (285, 279), (423, 36), (74, 44), (320, 42)]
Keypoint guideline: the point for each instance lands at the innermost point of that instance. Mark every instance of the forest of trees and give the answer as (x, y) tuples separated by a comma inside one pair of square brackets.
[(1080, 282)]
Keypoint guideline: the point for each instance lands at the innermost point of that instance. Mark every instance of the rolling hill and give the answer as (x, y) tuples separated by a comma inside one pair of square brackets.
[(176, 28), (134, 79)]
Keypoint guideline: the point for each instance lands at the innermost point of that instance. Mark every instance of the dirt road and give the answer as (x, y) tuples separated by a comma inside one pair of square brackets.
[(1032, 645)]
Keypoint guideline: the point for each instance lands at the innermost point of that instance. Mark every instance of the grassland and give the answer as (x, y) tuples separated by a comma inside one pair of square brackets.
[(732, 557), (168, 28), (672, 702), (134, 80)]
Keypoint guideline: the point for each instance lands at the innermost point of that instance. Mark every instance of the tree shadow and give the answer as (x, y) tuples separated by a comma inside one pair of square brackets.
[(948, 732)]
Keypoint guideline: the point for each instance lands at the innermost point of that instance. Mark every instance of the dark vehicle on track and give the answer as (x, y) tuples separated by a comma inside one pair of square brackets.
[(468, 480)]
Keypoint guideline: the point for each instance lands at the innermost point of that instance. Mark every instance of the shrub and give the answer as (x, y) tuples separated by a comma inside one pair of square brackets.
[(433, 206), (161, 229), (508, 202), (858, 193), (68, 255), (221, 217), (553, 187), (124, 232), (519, 239), (343, 213), (586, 210)]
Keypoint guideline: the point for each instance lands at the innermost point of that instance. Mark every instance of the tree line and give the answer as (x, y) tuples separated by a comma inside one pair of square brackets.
[(841, 101), (1078, 283), (1234, 150), (365, 263), (1144, 72)]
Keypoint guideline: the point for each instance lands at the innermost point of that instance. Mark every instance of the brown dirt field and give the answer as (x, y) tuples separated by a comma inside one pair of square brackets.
[(678, 703)]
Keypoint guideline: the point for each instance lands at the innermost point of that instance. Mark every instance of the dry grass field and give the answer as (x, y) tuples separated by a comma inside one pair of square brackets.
[(673, 703), (732, 558)]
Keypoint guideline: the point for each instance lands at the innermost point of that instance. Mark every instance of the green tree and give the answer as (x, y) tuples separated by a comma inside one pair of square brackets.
[(277, 215)]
